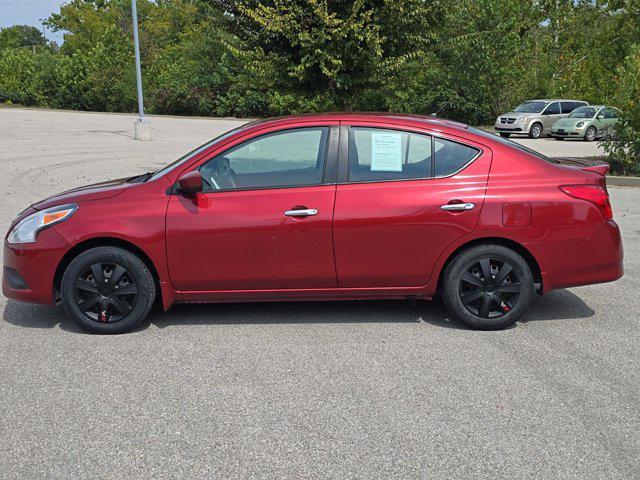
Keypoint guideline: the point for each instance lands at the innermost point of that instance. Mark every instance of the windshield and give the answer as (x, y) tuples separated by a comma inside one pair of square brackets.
[(583, 112), (531, 107), (511, 143), (195, 152)]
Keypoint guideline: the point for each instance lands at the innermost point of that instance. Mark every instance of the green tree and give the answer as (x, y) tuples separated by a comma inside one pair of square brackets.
[(462, 59), (478, 67), (624, 148), (27, 77), (316, 52), (98, 78), (21, 36)]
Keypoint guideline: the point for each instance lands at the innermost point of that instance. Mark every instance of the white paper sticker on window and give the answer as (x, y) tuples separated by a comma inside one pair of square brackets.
[(386, 152)]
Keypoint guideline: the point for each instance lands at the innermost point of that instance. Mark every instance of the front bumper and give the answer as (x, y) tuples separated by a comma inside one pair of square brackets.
[(508, 128), (567, 132), (35, 265), (517, 124)]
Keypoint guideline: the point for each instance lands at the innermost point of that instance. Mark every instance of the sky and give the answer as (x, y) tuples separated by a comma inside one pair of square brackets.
[(29, 12)]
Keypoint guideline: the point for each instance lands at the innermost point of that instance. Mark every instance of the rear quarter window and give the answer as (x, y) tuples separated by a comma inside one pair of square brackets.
[(451, 157)]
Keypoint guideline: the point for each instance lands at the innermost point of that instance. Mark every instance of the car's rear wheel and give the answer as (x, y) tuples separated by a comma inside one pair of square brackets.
[(107, 290), (488, 287), (536, 130), (505, 134), (591, 134)]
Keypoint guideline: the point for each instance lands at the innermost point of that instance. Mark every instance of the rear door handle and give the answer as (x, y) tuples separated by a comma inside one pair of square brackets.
[(457, 207), (305, 212)]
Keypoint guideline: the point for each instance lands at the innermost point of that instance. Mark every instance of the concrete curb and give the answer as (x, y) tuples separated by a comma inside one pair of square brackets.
[(623, 181)]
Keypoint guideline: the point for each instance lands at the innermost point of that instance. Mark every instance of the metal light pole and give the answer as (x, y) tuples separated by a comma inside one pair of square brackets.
[(141, 126)]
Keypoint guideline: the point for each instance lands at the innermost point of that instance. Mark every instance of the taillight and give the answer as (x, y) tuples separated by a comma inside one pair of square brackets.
[(591, 193)]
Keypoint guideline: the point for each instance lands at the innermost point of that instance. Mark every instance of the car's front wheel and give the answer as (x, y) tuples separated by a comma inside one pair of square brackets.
[(107, 290), (488, 287), (535, 131), (591, 134)]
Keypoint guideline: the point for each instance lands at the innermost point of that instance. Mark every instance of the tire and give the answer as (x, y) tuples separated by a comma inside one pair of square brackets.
[(505, 134), (536, 130), (506, 305), (591, 134), (99, 303)]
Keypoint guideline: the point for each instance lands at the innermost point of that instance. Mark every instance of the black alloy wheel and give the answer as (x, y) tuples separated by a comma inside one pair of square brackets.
[(105, 292), (108, 290), (489, 288)]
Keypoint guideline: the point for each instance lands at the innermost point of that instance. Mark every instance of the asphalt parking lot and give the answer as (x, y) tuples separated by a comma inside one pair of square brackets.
[(306, 390)]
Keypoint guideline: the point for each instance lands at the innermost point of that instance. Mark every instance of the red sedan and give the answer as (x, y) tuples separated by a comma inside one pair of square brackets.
[(322, 207)]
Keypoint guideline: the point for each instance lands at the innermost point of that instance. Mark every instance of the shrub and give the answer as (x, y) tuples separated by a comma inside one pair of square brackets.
[(100, 78), (27, 75), (624, 148)]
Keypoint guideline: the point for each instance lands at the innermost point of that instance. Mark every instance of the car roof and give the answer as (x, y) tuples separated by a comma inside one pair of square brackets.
[(549, 100), (400, 118), (596, 106)]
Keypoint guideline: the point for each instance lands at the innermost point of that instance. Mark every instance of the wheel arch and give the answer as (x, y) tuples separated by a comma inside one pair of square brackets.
[(102, 242), (505, 242), (534, 122)]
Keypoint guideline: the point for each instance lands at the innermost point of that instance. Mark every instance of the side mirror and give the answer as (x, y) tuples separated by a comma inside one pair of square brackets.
[(600, 116), (190, 182)]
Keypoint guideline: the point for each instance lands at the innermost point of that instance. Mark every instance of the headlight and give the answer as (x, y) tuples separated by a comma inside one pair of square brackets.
[(579, 124), (26, 229), (521, 119)]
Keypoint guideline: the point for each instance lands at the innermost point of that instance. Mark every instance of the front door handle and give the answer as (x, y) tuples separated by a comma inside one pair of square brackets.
[(457, 207), (303, 212)]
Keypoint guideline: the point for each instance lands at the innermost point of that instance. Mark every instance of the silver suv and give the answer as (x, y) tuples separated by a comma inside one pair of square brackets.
[(535, 117)]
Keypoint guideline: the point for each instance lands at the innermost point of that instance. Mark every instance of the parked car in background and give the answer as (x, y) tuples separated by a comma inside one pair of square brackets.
[(322, 207), (535, 117), (586, 123)]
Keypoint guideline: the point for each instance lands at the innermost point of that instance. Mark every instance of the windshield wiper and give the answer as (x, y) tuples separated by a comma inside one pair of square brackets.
[(141, 178)]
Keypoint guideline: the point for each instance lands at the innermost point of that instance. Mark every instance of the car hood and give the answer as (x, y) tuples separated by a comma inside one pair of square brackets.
[(95, 191), (571, 122), (517, 115)]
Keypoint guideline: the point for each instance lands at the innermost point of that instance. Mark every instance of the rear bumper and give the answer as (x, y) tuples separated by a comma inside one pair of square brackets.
[(30, 268), (598, 259)]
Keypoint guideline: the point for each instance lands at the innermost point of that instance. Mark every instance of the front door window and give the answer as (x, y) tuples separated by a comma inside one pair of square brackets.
[(282, 159), (553, 109)]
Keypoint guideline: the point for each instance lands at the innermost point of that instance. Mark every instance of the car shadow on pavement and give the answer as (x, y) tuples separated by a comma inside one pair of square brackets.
[(30, 315), (364, 311), (558, 305)]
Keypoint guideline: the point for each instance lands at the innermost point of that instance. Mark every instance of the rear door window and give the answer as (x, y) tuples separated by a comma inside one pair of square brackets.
[(568, 107), (377, 154)]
